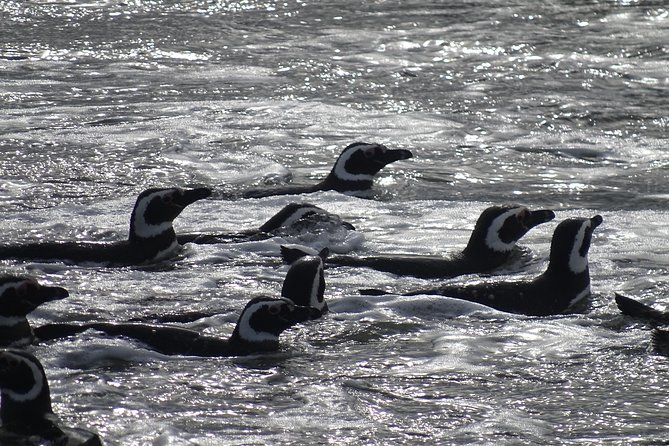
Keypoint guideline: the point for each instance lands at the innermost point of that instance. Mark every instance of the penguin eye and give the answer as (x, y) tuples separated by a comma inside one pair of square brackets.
[(274, 310), (168, 199), (371, 152)]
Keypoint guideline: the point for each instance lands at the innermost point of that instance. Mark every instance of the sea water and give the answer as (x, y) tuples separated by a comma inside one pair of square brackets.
[(559, 105)]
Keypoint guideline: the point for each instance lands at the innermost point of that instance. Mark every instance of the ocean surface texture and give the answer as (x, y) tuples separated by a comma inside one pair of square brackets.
[(561, 105)]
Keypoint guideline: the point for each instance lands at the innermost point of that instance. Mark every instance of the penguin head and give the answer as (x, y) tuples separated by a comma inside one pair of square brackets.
[(570, 244), (498, 228), (288, 215), (305, 283), (294, 213), (265, 318), (155, 209), (21, 295), (24, 388), (358, 163)]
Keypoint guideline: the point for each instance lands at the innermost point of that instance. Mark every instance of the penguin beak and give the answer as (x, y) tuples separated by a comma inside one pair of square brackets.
[(596, 221), (390, 156), (299, 314), (536, 218), (348, 225), (324, 253), (192, 195)]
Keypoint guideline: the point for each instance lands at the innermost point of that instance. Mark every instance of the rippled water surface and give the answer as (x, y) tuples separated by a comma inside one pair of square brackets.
[(560, 105)]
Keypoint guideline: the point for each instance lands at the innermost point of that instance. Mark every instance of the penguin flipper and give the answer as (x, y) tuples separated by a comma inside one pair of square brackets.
[(373, 292), (210, 239), (634, 308), (48, 332)]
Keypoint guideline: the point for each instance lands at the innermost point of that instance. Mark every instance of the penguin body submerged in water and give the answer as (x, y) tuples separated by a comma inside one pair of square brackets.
[(353, 172), (257, 330), (151, 237), (491, 244), (565, 282), (297, 217)]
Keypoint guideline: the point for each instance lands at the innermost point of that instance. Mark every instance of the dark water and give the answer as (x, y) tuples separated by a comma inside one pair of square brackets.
[(561, 105)]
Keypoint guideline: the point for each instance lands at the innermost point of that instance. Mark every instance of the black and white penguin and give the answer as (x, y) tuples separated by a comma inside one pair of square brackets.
[(491, 244), (305, 282), (18, 297), (300, 217), (565, 282), (151, 237), (258, 328), (26, 413), (353, 171)]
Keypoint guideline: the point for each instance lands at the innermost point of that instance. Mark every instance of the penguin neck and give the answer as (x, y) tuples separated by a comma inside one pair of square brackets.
[(15, 331), (567, 266), (567, 280), (240, 345), (26, 415), (479, 253), (157, 246), (333, 182)]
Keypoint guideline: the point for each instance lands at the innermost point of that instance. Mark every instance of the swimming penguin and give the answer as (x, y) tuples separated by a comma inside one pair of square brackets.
[(257, 330), (258, 327), (638, 310), (353, 171), (565, 282), (18, 297), (490, 245), (26, 413), (151, 237), (304, 285), (296, 216)]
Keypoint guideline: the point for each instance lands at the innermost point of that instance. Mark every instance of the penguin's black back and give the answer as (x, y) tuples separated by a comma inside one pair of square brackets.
[(165, 339)]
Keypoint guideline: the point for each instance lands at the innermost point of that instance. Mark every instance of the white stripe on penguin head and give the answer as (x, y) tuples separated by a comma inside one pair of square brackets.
[(315, 287), (10, 321), (492, 239), (9, 285), (340, 171), (38, 378), (144, 229), (298, 214), (577, 262)]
